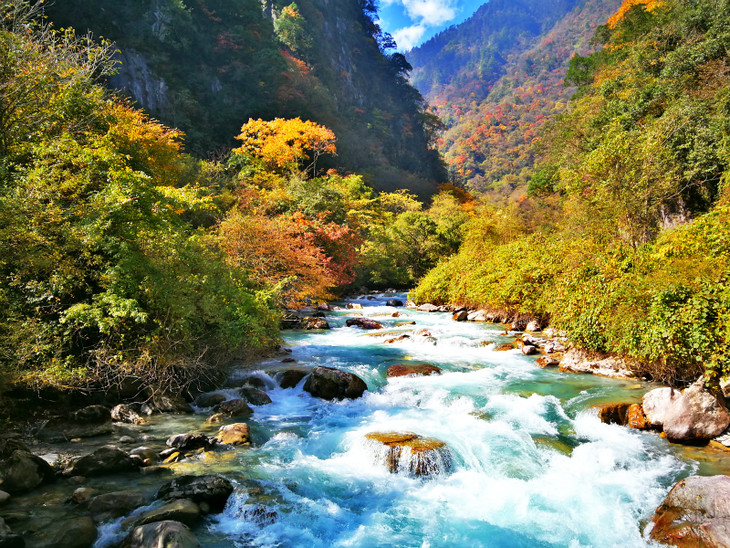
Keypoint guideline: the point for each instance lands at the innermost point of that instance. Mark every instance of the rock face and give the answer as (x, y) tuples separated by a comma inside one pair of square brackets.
[(213, 490), (234, 434), (410, 453), (23, 471), (405, 369), (656, 404), (695, 513), (363, 323), (329, 384), (105, 460), (161, 534), (696, 415)]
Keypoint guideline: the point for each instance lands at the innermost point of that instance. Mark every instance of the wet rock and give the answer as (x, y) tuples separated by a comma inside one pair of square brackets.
[(216, 418), (146, 454), (210, 489), (258, 382), (171, 403), (328, 383), (363, 323), (695, 513), (105, 460), (258, 514), (616, 413), (656, 403), (289, 378), (92, 414), (311, 323), (234, 434), (290, 321), (124, 413), (83, 495), (460, 316), (548, 361), (60, 430), (394, 340), (8, 539), (23, 471), (529, 350), (254, 396), (410, 453), (289, 360), (209, 399), (478, 316), (411, 304), (182, 510), (401, 324), (354, 306), (190, 442), (597, 363), (504, 347), (394, 302), (519, 325), (428, 307), (77, 532), (113, 505), (161, 534), (324, 307), (4, 497), (551, 347), (234, 408), (636, 418), (697, 415), (405, 369), (533, 325)]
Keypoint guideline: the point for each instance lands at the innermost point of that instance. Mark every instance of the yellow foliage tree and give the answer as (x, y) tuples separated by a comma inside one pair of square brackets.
[(649, 5), (285, 145)]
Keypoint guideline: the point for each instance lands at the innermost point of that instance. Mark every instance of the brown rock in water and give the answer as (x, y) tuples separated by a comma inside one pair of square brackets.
[(124, 413), (92, 414), (234, 408), (254, 396), (616, 413), (363, 323), (697, 415), (636, 418), (656, 404), (404, 369), (209, 399), (161, 534), (190, 442), (329, 383), (311, 323), (171, 403), (460, 316), (401, 324), (234, 434), (548, 361), (504, 347), (695, 513), (23, 471), (529, 350), (411, 453), (210, 489), (105, 460), (113, 505), (397, 339), (182, 510), (289, 378), (71, 533)]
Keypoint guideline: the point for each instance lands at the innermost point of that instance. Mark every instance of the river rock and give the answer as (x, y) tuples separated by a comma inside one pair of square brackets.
[(328, 383), (519, 324), (394, 302), (289, 378), (410, 453), (105, 460), (363, 323), (210, 489), (254, 396), (9, 444), (116, 504), (234, 434), (394, 340), (77, 532), (529, 350), (146, 454), (697, 415), (405, 369), (171, 403), (4, 497), (182, 510), (161, 534), (290, 321), (311, 323), (478, 316), (23, 471), (190, 442), (124, 413), (92, 414), (695, 513), (548, 361), (460, 316), (8, 539), (209, 399), (354, 306), (60, 430), (636, 418), (504, 347), (581, 361), (534, 325), (257, 513), (616, 413), (427, 307), (234, 408), (83, 495), (656, 403)]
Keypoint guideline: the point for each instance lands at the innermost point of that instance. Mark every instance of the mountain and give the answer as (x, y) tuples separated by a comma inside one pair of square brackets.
[(207, 66), (497, 78)]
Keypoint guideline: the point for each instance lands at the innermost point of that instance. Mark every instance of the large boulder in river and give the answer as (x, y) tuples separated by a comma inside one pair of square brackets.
[(394, 302), (289, 378), (363, 323), (409, 453), (116, 504), (190, 442), (182, 510), (234, 434), (311, 323), (696, 512), (77, 532), (428, 307), (254, 396), (656, 404), (697, 415), (105, 460), (330, 384), (23, 471), (405, 369), (161, 534), (234, 408), (211, 489), (171, 403), (615, 413)]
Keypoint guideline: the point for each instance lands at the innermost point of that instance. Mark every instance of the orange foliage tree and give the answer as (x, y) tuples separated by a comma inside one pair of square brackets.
[(649, 5), (284, 145)]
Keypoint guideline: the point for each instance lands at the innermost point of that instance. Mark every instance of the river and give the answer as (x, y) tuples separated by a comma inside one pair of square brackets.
[(532, 463)]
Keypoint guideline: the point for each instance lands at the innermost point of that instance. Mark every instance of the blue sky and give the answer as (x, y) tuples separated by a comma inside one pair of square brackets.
[(412, 22)]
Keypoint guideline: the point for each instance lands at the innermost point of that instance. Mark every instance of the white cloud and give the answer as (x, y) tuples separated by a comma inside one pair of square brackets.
[(408, 37), (430, 12)]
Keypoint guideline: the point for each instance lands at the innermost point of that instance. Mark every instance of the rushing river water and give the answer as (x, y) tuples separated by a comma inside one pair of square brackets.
[(532, 463)]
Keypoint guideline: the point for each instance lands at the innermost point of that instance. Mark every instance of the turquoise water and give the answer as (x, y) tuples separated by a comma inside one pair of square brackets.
[(533, 465)]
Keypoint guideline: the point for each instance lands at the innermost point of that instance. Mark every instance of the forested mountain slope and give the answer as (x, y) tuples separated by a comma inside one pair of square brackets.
[(496, 78), (207, 66)]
